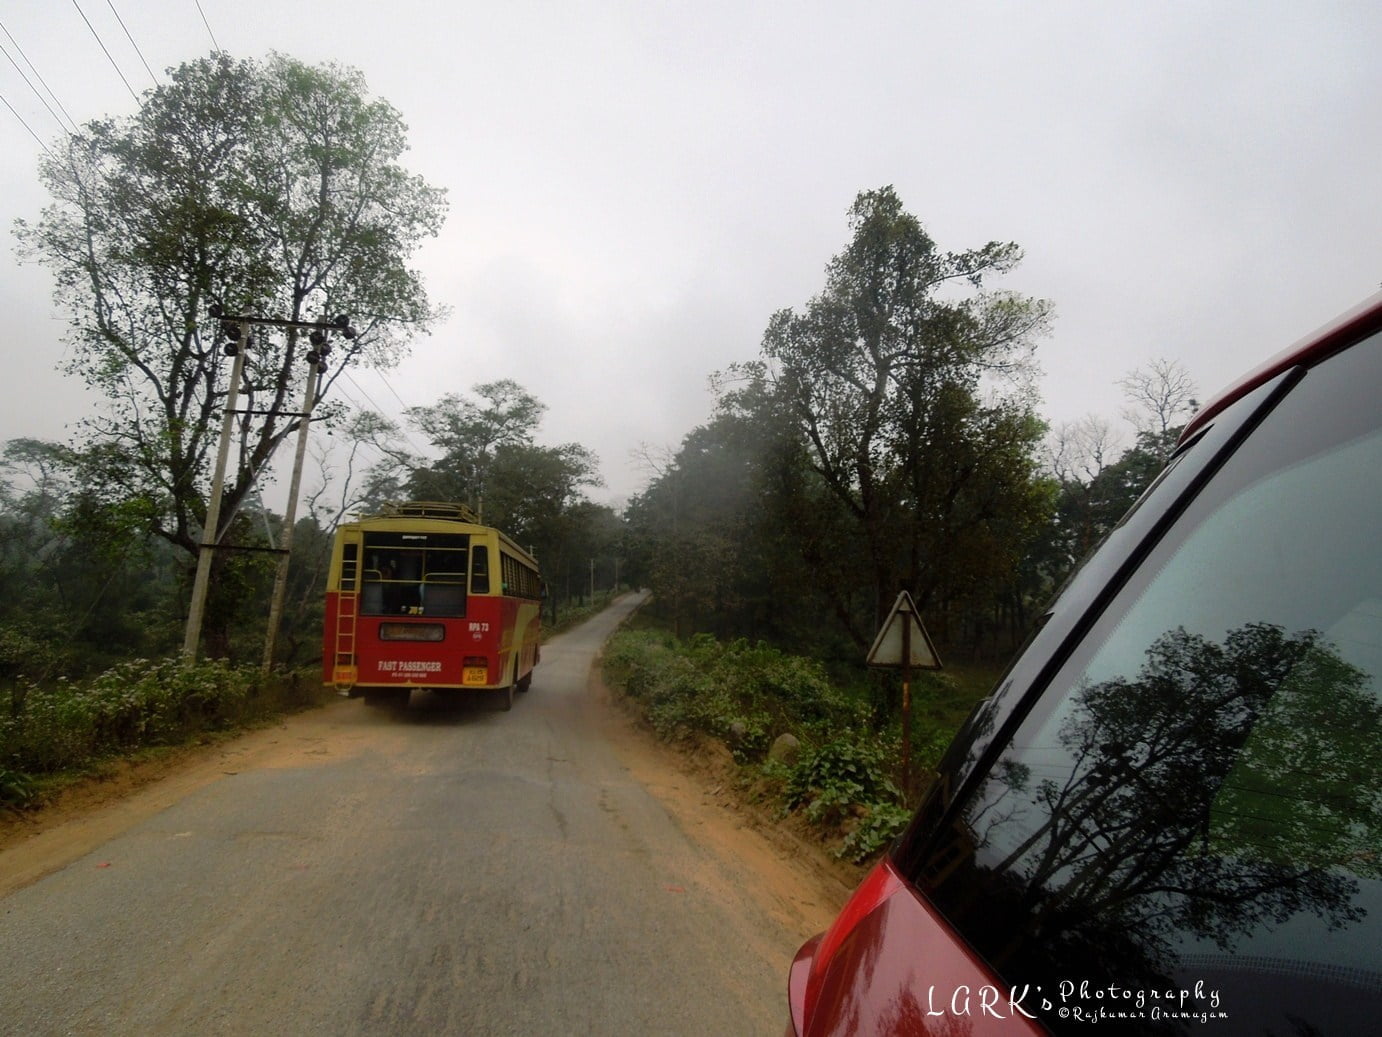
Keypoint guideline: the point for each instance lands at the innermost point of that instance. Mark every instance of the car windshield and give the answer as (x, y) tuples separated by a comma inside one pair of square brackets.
[(1195, 804)]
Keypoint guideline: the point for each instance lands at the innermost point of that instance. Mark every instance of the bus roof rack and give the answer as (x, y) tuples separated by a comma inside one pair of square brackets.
[(430, 509)]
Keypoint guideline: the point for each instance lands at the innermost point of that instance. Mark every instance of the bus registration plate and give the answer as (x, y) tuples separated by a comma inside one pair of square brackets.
[(475, 675)]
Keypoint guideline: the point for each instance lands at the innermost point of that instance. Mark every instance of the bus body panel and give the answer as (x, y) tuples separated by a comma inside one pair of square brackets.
[(428, 603), (499, 631)]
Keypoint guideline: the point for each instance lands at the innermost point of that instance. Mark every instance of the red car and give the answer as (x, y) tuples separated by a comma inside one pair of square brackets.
[(1167, 817)]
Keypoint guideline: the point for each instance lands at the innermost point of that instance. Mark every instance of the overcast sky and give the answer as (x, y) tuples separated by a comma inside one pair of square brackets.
[(636, 186)]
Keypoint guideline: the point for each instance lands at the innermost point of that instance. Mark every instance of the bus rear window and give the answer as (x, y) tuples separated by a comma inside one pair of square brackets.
[(414, 574)]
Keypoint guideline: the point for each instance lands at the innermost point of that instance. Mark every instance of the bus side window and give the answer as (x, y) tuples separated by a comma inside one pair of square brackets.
[(479, 569)]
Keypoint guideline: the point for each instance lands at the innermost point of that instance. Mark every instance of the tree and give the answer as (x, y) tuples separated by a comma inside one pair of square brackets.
[(271, 189), (892, 380), (82, 579), (1096, 489), (695, 533), (469, 433), (1157, 396), (488, 458), (533, 488)]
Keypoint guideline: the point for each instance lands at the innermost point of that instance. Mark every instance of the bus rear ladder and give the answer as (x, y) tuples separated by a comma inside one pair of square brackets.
[(343, 665)]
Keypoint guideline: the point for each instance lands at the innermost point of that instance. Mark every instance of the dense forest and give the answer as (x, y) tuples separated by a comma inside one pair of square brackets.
[(885, 436)]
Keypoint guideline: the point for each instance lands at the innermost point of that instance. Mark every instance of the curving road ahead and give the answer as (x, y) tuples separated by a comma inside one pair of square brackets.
[(451, 870)]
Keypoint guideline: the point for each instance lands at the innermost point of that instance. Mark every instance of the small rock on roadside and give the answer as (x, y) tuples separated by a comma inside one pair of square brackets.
[(785, 749)]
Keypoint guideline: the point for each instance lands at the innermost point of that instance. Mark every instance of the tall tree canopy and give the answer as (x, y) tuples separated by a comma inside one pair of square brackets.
[(488, 458), (905, 383), (470, 434), (273, 189)]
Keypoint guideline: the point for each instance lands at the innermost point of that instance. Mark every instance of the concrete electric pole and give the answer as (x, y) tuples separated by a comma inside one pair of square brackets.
[(316, 358), (193, 633)]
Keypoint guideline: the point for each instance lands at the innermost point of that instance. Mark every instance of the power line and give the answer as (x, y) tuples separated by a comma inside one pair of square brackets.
[(389, 386), (366, 444), (26, 125), (411, 442), (111, 5), (214, 44), (31, 87), (361, 389), (15, 43), (106, 52)]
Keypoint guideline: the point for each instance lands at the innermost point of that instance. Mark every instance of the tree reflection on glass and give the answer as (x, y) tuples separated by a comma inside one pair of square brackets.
[(1223, 790)]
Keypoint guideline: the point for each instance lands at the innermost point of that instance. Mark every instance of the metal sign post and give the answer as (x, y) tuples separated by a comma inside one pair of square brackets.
[(902, 643)]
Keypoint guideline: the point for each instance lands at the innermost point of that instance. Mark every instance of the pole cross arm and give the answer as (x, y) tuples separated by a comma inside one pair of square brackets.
[(341, 323)]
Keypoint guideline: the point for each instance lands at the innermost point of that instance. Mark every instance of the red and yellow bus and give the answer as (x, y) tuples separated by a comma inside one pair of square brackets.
[(423, 595)]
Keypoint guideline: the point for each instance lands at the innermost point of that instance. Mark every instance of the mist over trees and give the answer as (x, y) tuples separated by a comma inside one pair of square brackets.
[(1097, 479), (271, 190), (885, 439), (886, 436)]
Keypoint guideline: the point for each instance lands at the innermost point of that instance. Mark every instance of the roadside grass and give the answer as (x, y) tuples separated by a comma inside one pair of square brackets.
[(838, 769), (59, 732)]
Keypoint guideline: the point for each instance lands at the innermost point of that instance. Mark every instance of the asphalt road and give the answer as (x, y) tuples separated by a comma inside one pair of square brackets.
[(447, 871)]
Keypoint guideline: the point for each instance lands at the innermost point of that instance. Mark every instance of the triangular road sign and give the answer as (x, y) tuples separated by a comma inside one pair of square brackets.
[(901, 636)]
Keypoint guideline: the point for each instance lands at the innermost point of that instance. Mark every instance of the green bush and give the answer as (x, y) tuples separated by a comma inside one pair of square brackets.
[(746, 694), (637, 659), (883, 824), (833, 778), (16, 789), (65, 725)]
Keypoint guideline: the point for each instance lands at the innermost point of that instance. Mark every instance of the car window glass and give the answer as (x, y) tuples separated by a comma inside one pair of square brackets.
[(1198, 796), (1092, 578)]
